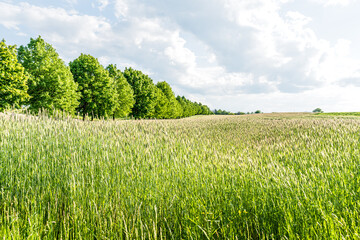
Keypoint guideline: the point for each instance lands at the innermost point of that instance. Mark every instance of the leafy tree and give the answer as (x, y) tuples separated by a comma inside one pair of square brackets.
[(51, 84), (98, 95), (13, 88), (222, 112), (162, 105), (257, 111), (189, 108), (317, 110), (182, 104), (173, 108), (205, 110), (240, 113), (125, 93), (197, 108), (144, 93)]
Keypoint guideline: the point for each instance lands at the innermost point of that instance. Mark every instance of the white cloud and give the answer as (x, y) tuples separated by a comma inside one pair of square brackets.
[(336, 64), (284, 42), (248, 50), (121, 8), (103, 4), (72, 2), (53, 21), (178, 53), (283, 53), (71, 32), (328, 3), (331, 98)]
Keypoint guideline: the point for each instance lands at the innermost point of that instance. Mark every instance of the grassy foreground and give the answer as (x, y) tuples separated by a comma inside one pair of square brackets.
[(262, 176)]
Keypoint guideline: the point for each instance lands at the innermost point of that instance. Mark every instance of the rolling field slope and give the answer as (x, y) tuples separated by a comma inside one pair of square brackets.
[(266, 176)]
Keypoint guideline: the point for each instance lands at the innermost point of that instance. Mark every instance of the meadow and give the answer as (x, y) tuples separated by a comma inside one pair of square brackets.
[(342, 114), (263, 176)]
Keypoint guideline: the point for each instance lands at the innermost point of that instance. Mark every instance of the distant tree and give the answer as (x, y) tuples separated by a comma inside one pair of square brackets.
[(144, 93), (240, 113), (222, 112), (125, 100), (317, 110), (51, 84), (182, 106), (13, 80), (187, 106), (173, 108), (197, 108), (206, 110), (257, 111), (98, 92)]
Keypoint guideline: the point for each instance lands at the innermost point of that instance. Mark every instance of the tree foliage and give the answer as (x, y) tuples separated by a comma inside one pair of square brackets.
[(13, 80), (51, 84), (222, 112), (144, 93), (190, 108), (173, 108), (317, 110), (162, 105), (98, 94), (125, 100), (38, 78)]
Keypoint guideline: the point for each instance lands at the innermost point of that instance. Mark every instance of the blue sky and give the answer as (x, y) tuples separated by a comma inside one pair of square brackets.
[(238, 55)]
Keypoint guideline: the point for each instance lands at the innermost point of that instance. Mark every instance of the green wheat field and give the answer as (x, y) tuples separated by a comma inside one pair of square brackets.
[(264, 176)]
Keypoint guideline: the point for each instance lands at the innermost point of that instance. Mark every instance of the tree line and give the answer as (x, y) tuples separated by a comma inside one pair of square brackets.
[(36, 77), (224, 112)]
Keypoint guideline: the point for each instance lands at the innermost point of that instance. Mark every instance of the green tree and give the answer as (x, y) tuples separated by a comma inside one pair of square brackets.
[(13, 80), (125, 100), (204, 110), (317, 110), (197, 108), (162, 105), (187, 106), (144, 93), (98, 95), (240, 113), (173, 108), (182, 104), (51, 84), (222, 112)]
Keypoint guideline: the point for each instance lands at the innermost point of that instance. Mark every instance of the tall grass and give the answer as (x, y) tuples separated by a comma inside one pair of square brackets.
[(216, 177)]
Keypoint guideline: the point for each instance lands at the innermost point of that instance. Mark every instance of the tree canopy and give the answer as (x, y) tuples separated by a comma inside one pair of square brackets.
[(317, 110), (51, 84), (144, 93), (173, 107), (98, 94), (36, 76), (13, 80), (125, 99)]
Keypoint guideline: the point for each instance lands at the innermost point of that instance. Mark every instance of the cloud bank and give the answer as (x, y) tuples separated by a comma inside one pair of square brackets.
[(230, 54)]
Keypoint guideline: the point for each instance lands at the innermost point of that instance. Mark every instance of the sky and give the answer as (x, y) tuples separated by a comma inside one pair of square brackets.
[(237, 55)]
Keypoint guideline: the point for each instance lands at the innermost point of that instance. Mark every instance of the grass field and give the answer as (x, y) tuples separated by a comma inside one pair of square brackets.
[(265, 176), (340, 114)]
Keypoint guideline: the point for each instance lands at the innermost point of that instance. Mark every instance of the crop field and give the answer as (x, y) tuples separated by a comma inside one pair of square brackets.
[(350, 114), (263, 176)]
